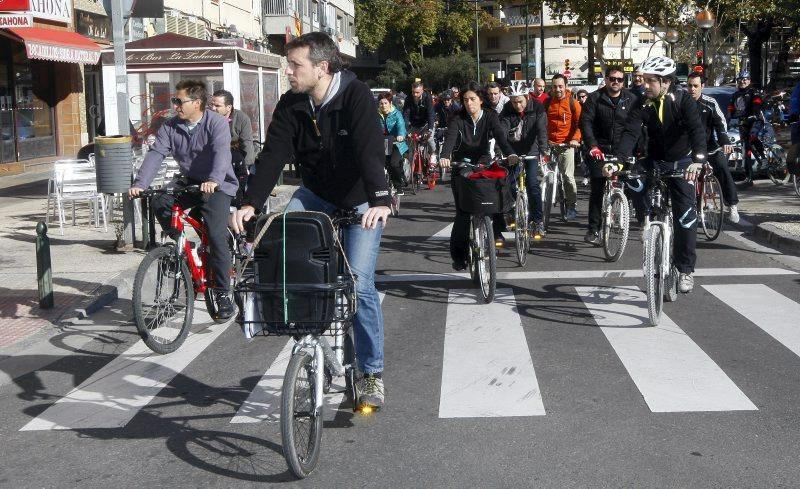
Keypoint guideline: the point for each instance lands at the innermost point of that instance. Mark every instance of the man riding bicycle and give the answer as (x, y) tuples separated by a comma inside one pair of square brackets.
[(200, 141), (746, 107), (326, 121), (421, 116), (563, 117), (676, 141), (603, 120)]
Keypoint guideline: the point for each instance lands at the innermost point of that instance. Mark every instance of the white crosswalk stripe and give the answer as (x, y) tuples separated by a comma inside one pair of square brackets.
[(487, 369), (775, 313), (671, 371)]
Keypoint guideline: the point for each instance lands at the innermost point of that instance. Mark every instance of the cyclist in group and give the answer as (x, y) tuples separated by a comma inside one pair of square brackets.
[(394, 126), (326, 121), (637, 87), (717, 142), (676, 142), (495, 98), (526, 128), (468, 138), (446, 109), (420, 115), (200, 141), (746, 107), (603, 120), (539, 91), (563, 127)]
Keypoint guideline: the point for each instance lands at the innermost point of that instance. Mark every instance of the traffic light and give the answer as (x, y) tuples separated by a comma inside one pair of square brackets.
[(566, 64), (698, 68), (699, 55)]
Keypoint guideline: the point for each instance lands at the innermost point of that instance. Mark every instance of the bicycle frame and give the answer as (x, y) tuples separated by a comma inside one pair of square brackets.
[(183, 248), (660, 207)]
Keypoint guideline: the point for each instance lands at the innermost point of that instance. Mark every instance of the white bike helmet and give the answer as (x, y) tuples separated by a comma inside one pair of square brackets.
[(658, 65)]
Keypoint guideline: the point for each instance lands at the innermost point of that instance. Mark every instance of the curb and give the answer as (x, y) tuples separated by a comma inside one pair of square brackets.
[(121, 285), (778, 238)]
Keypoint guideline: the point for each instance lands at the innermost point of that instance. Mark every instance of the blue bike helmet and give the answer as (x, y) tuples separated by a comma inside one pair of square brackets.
[(743, 74)]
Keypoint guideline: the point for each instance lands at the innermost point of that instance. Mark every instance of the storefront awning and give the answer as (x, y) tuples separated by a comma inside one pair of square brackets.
[(53, 45)]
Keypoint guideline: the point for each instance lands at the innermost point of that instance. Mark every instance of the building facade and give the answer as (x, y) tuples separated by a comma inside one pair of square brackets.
[(286, 18)]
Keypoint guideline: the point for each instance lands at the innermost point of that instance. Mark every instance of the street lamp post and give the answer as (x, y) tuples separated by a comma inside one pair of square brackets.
[(527, 50), (477, 43), (541, 39), (705, 21), (672, 37)]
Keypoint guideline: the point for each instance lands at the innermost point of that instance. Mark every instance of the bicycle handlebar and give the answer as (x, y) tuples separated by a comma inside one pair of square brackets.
[(189, 189)]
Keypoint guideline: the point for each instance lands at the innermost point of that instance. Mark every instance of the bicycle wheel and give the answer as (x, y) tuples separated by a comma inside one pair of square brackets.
[(654, 282), (671, 285), (712, 209), (796, 182), (616, 223), (485, 256), (547, 202), (416, 177), (521, 228), (776, 166), (350, 364), (395, 204), (301, 424), (163, 300), (562, 202)]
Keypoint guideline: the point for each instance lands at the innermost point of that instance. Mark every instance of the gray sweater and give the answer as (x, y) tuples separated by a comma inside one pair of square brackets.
[(203, 155)]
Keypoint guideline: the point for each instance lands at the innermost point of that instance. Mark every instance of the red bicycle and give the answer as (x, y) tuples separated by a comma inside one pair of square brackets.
[(172, 274), (421, 171)]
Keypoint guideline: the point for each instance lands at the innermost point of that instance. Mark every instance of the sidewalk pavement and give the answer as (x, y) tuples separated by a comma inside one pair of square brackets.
[(88, 272)]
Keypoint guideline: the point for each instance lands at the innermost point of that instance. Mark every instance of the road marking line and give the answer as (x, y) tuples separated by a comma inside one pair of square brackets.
[(443, 234), (264, 401), (487, 369), (576, 274), (114, 394), (670, 370), (771, 311)]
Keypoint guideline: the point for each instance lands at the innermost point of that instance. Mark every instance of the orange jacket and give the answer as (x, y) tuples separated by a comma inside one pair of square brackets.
[(563, 117)]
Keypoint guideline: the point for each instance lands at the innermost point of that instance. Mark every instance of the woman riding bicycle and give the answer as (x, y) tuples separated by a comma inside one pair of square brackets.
[(468, 138), (393, 125)]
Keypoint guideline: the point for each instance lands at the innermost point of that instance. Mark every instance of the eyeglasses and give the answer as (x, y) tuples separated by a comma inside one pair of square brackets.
[(581, 96), (616, 79), (179, 102)]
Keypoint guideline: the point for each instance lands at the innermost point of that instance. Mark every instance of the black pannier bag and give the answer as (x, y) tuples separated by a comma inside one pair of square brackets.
[(306, 303), (483, 195)]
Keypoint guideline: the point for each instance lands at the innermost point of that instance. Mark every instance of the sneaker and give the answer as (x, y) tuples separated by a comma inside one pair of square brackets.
[(538, 230), (399, 191), (369, 392), (593, 238), (225, 307), (572, 213), (685, 283), (734, 214)]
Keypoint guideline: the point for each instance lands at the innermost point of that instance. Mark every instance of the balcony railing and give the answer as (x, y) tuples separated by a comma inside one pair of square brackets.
[(275, 7), (515, 16)]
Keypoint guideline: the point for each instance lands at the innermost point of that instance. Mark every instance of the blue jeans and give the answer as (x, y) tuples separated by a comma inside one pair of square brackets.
[(534, 190), (361, 248)]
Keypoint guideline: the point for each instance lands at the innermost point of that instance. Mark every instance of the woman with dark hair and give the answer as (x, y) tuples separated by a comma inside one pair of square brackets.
[(393, 126), (468, 137)]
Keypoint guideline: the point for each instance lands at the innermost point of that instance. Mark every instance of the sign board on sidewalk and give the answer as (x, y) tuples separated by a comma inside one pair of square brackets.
[(15, 20), (15, 5), (57, 10)]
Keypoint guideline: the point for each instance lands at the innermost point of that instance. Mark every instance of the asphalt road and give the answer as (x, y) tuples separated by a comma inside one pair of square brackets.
[(559, 383)]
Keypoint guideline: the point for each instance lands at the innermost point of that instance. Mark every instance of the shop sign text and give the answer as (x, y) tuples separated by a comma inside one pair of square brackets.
[(15, 20), (58, 10), (187, 56)]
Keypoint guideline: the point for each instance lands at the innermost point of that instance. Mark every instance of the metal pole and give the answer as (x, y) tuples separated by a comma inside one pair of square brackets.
[(527, 61), (121, 80), (705, 44), (541, 39), (477, 43)]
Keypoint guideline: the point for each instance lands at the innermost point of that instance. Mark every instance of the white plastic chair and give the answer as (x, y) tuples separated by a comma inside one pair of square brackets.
[(76, 181)]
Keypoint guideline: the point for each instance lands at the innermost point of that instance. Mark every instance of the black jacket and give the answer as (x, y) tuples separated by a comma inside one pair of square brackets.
[(534, 128), (603, 122), (745, 103), (420, 113), (713, 121), (467, 140), (340, 157), (681, 135), (242, 135)]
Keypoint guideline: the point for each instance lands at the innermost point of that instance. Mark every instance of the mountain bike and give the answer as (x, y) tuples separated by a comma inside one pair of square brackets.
[(172, 274), (522, 225), (482, 253), (660, 274), (616, 213), (553, 186), (709, 204), (421, 171), (297, 282)]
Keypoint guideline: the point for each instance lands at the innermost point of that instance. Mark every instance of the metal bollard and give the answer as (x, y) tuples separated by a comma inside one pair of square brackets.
[(43, 272)]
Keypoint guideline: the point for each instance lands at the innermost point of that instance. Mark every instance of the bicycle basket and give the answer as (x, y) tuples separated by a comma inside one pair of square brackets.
[(291, 286), (483, 195)]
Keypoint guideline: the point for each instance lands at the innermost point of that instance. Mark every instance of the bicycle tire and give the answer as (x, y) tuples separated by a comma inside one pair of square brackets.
[(616, 224), (654, 282), (671, 285), (547, 203), (487, 257), (301, 448), (153, 320), (796, 183), (395, 204), (562, 201), (712, 208), (351, 368), (777, 170), (521, 228)]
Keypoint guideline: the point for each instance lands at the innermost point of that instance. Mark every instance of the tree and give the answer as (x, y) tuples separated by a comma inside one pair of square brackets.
[(437, 73)]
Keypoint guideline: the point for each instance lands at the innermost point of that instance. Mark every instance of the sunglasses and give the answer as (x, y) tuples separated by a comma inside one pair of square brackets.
[(615, 79), (179, 102)]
